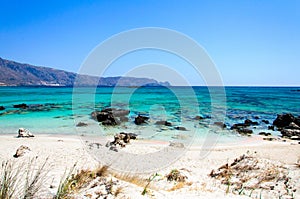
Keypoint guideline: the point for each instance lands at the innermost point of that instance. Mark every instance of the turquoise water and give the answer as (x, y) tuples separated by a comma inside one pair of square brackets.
[(58, 110)]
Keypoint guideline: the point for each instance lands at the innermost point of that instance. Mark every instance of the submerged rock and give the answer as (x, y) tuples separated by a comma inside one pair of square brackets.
[(140, 119), (22, 106), (250, 122), (266, 121), (81, 124), (180, 128), (24, 133), (238, 126), (22, 150), (220, 124), (166, 123), (198, 117), (2, 108)]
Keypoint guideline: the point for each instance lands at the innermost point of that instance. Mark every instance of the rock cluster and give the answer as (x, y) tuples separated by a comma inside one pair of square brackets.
[(176, 176), (24, 133), (242, 128), (120, 139), (288, 125), (110, 116)]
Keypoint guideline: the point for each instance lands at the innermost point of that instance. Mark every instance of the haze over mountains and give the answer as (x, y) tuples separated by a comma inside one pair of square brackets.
[(18, 74)]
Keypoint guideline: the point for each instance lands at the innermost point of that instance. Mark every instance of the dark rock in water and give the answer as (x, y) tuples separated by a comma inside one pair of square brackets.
[(271, 128), (244, 131), (22, 150), (242, 127), (102, 116), (220, 124), (238, 126), (140, 119), (166, 123), (285, 120), (180, 128), (81, 124), (256, 117), (110, 116), (2, 108), (198, 117), (22, 106), (250, 122), (266, 121), (109, 122), (24, 133), (264, 133)]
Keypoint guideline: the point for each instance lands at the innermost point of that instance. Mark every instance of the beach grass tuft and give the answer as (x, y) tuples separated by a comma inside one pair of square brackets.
[(35, 177), (72, 182), (22, 180), (8, 180)]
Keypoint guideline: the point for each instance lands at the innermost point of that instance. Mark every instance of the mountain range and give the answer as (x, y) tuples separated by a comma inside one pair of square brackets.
[(18, 74)]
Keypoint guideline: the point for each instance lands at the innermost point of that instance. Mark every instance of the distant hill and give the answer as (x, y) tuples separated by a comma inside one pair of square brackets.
[(17, 74)]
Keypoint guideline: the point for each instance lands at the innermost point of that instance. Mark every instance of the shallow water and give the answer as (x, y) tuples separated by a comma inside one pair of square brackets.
[(58, 110)]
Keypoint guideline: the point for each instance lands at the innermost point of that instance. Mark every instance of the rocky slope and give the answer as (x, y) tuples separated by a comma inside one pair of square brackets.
[(18, 74)]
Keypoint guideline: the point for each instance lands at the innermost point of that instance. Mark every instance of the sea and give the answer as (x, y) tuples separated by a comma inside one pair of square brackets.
[(58, 110)]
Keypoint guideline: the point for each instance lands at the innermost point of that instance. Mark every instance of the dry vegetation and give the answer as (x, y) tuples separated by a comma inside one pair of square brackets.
[(22, 180), (93, 183), (175, 175), (248, 174)]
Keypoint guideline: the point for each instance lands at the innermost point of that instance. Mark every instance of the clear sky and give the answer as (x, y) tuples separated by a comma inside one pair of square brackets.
[(252, 42)]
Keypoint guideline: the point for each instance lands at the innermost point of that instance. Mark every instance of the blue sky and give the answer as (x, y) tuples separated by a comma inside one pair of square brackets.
[(251, 42)]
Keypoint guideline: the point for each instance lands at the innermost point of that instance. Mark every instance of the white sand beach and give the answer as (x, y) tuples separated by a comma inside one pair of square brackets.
[(63, 151)]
